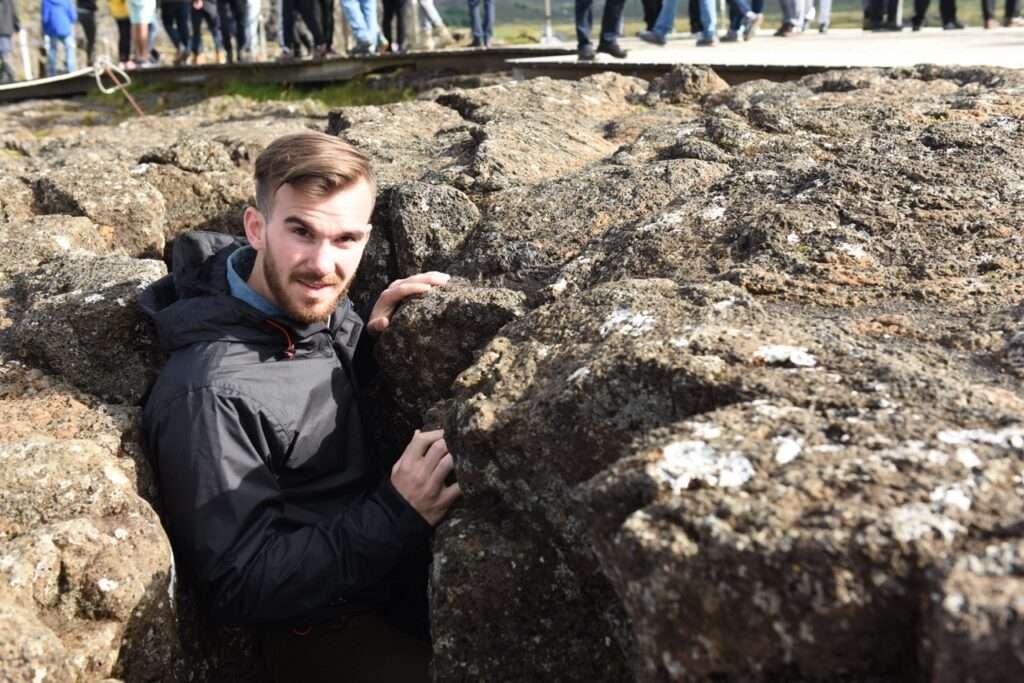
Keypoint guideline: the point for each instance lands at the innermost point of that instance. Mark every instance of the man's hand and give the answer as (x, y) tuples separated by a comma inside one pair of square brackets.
[(398, 290), (420, 473)]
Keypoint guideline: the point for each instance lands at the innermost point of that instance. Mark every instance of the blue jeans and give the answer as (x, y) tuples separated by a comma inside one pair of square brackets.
[(68, 42), (667, 18), (482, 22), (737, 10), (362, 17), (610, 20)]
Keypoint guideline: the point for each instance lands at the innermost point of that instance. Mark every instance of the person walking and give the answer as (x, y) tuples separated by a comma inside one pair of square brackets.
[(433, 23), (394, 13), (176, 17), (58, 19), (482, 21), (708, 18), (362, 19), (947, 11), (9, 27), (140, 15), (231, 14), (204, 12), (651, 10), (119, 12), (87, 18)]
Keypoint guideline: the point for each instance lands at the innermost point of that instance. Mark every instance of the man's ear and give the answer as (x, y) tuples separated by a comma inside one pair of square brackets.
[(255, 227)]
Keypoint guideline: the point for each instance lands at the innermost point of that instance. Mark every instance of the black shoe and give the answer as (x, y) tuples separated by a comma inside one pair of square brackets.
[(952, 26), (585, 53), (915, 24), (892, 26), (477, 43), (613, 49)]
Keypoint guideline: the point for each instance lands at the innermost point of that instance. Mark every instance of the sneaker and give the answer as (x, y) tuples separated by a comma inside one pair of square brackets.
[(476, 43), (1014, 22), (991, 24), (652, 37), (916, 24), (707, 42), (785, 30), (892, 26), (953, 26), (748, 25), (823, 28), (613, 49), (731, 37), (360, 50), (585, 53)]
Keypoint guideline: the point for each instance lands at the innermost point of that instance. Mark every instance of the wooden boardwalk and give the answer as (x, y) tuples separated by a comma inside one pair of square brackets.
[(769, 57)]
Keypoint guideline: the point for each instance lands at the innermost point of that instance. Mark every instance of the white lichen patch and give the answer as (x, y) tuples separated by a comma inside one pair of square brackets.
[(107, 585), (787, 449), (724, 304), (115, 475), (855, 251), (966, 457), (915, 521), (625, 321), (684, 462), (560, 286), (62, 242), (706, 430), (945, 497), (713, 213), (120, 533), (580, 374), (92, 299), (1010, 437), (792, 239), (796, 356)]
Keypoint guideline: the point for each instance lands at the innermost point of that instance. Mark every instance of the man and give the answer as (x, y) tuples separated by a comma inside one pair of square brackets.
[(277, 506), (610, 21), (9, 26), (481, 21), (362, 18)]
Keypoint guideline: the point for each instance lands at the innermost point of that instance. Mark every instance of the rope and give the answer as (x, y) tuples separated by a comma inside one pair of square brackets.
[(102, 66)]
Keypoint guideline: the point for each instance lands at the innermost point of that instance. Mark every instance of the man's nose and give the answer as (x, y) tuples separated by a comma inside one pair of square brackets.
[(322, 259)]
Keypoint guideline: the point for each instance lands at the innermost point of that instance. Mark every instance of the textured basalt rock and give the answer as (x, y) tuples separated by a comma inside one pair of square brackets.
[(731, 375)]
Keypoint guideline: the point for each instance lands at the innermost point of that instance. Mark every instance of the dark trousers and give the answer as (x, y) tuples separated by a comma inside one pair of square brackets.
[(988, 9), (327, 21), (176, 18), (231, 14), (693, 8), (7, 74), (394, 9), (884, 10), (651, 10), (947, 10), (88, 21), (124, 39), (358, 648), (212, 24), (309, 11), (609, 21)]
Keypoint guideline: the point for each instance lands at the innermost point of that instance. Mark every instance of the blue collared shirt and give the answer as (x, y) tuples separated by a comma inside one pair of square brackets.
[(240, 289)]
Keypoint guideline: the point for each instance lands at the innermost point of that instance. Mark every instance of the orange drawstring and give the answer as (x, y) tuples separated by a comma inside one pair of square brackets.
[(289, 352)]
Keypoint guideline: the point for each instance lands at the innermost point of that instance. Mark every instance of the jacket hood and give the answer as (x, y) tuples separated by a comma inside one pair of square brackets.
[(193, 304)]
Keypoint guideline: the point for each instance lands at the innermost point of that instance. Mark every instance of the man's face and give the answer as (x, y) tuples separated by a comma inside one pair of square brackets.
[(309, 248)]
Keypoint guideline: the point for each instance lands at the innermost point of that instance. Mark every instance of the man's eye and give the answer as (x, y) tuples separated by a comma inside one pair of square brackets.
[(345, 239), (300, 232)]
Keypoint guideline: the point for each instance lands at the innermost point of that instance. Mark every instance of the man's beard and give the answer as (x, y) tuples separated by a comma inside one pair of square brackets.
[(278, 285)]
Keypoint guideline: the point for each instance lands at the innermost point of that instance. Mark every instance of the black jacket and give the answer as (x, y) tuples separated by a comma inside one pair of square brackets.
[(8, 18), (276, 507)]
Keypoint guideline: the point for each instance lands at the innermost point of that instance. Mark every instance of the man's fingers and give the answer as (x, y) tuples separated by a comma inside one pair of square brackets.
[(432, 278), (444, 466), (422, 441), (433, 456)]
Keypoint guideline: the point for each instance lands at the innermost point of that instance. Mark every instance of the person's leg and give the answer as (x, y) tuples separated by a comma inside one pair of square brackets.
[(610, 19), (168, 16), (583, 9), (88, 21), (241, 22), (988, 12), (694, 13), (353, 12), (369, 10), (666, 18), (182, 21), (224, 19), (252, 26), (488, 21), (308, 10), (824, 12), (948, 10), (327, 15), (387, 16), (1011, 11), (400, 17), (431, 15), (474, 21), (69, 52), (709, 20), (7, 74)]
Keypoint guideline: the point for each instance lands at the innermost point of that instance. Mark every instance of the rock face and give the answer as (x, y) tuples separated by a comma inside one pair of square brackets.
[(732, 376)]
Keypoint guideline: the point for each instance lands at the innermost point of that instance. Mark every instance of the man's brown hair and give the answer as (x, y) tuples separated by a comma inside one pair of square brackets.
[(314, 163)]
